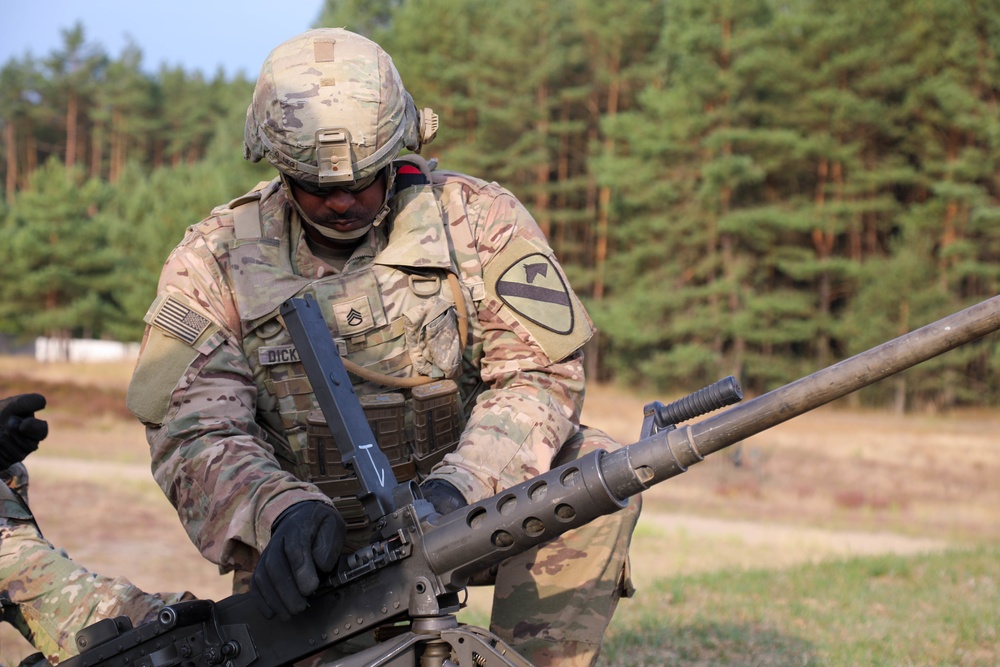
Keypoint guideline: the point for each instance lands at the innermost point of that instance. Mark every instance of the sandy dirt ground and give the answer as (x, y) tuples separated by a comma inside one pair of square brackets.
[(829, 484)]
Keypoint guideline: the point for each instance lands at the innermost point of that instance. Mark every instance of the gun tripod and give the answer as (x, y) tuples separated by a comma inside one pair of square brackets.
[(434, 641)]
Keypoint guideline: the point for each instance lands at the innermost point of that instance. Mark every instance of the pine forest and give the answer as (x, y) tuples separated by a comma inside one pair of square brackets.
[(756, 188)]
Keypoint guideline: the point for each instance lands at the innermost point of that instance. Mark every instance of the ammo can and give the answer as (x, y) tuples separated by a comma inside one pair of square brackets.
[(436, 422), (385, 414)]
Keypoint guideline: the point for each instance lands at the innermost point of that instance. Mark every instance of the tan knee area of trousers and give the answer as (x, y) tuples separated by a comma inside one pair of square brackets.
[(566, 590), (553, 603), (541, 653)]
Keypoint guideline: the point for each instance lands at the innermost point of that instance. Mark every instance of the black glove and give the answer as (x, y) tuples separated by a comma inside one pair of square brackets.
[(306, 541), (20, 432), (442, 495)]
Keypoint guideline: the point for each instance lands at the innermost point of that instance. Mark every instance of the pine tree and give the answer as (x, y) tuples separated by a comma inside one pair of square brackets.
[(55, 264), (74, 72), (17, 79)]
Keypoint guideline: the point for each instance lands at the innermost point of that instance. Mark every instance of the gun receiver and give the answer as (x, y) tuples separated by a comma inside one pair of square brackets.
[(420, 561)]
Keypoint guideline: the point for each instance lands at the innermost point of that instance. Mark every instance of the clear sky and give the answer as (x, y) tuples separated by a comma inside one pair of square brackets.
[(194, 34)]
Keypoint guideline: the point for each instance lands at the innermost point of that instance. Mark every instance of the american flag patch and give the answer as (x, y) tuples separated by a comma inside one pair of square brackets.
[(178, 320)]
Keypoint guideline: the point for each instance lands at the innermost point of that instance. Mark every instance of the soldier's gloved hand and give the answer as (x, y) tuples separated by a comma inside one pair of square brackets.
[(20, 432), (306, 542), (442, 495)]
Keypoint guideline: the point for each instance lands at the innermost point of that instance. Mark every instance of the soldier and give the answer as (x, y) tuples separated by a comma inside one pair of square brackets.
[(43, 593), (422, 275)]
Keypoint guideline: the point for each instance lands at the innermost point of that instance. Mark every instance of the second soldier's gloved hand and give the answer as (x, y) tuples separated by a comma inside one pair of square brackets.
[(442, 495), (20, 432), (306, 541)]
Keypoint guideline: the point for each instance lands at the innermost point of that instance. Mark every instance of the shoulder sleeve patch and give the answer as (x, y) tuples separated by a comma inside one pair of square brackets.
[(178, 320), (526, 279), (176, 337)]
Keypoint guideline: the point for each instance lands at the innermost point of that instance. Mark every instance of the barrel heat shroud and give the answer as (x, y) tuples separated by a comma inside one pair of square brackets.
[(477, 537)]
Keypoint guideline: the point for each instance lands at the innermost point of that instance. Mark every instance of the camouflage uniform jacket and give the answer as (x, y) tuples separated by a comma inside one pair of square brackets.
[(225, 446)]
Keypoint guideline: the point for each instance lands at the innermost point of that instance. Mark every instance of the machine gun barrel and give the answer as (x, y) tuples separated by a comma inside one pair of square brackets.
[(420, 560)]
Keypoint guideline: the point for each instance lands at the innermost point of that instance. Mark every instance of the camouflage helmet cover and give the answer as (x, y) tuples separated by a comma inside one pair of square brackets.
[(329, 108)]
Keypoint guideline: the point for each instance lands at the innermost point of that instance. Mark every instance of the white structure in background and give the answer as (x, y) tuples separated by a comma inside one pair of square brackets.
[(84, 350)]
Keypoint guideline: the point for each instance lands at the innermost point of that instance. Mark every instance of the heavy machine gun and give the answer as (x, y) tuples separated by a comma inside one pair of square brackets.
[(408, 581)]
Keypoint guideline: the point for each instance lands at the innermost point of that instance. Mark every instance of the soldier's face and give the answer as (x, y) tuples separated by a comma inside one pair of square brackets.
[(341, 209)]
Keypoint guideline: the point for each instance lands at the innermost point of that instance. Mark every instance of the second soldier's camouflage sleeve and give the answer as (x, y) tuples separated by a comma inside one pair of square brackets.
[(46, 596), (532, 365), (198, 401)]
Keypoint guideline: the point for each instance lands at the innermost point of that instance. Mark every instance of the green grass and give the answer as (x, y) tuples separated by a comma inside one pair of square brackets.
[(941, 609)]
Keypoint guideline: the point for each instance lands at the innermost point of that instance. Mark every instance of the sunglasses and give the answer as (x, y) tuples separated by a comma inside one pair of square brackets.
[(327, 190)]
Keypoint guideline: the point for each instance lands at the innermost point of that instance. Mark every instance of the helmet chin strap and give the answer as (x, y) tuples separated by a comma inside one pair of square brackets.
[(334, 234)]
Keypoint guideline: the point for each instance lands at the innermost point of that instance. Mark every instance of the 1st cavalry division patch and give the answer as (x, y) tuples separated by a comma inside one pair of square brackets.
[(526, 280), (533, 288)]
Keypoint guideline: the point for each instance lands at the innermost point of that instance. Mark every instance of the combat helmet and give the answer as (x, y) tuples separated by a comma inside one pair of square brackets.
[(330, 109)]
